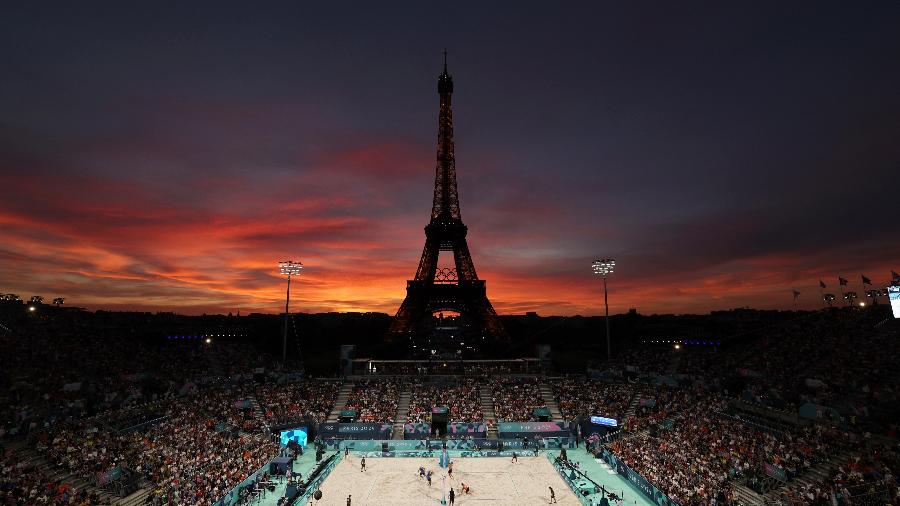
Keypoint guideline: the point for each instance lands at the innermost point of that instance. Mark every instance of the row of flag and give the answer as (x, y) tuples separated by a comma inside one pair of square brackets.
[(895, 280)]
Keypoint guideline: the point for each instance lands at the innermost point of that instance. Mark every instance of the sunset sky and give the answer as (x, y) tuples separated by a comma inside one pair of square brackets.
[(166, 157)]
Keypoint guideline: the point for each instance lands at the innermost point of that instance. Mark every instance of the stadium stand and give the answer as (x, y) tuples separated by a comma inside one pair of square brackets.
[(803, 411)]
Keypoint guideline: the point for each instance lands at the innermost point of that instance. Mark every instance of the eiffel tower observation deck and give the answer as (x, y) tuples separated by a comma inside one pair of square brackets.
[(446, 306)]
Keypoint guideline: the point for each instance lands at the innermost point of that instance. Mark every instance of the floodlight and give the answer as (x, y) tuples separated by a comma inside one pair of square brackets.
[(604, 266), (288, 268)]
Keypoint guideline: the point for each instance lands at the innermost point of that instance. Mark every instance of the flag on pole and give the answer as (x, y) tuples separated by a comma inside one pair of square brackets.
[(842, 281), (821, 284), (796, 295), (866, 281)]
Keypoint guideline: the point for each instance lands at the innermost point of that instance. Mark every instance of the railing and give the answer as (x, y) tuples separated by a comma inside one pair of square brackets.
[(612, 437), (760, 426), (139, 427), (875, 494), (637, 480), (313, 485), (233, 496)]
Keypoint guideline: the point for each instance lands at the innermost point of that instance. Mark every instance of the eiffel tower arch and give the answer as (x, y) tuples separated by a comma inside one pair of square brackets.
[(454, 288)]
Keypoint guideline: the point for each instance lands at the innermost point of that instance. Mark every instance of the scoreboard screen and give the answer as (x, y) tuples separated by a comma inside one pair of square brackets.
[(602, 420), (894, 296), (297, 435)]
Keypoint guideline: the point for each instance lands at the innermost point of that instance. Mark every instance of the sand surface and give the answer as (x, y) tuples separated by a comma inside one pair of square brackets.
[(493, 481)]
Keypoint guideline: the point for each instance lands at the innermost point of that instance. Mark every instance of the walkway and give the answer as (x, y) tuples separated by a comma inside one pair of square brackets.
[(598, 471), (303, 464)]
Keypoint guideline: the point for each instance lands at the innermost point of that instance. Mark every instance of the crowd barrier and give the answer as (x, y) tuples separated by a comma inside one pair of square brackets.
[(455, 430), (417, 430), (306, 497), (819, 412), (463, 429), (232, 498), (576, 485), (641, 483), (426, 447)]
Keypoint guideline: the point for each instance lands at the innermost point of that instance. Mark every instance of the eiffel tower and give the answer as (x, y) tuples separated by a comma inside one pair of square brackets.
[(455, 288)]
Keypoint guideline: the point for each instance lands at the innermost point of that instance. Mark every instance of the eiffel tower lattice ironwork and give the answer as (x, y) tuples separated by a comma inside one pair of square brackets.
[(441, 289)]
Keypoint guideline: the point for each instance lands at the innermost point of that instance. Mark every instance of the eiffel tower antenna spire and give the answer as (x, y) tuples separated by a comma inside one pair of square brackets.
[(446, 198)]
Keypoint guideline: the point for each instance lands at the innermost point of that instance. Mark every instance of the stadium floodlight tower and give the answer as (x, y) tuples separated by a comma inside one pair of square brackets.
[(288, 268), (604, 267)]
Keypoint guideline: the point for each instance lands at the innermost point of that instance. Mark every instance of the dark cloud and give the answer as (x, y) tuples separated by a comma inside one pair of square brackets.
[(167, 156)]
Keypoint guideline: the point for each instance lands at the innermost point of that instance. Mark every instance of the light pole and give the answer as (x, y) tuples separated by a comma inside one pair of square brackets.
[(288, 268), (603, 267)]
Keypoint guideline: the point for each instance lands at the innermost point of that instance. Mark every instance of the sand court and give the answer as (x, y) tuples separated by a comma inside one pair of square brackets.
[(493, 481)]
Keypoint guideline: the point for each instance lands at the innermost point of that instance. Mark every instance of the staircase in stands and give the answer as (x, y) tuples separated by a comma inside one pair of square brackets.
[(258, 413), (550, 401), (138, 498), (632, 407), (815, 475), (745, 496), (487, 407), (402, 411), (340, 401)]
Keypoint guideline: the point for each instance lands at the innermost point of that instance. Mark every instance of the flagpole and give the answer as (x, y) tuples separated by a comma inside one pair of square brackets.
[(867, 281), (863, 291)]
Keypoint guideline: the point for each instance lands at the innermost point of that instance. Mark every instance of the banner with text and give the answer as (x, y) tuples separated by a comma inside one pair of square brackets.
[(355, 431), (511, 430)]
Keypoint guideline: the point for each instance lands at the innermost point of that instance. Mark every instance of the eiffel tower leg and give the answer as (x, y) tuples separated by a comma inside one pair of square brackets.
[(465, 267), (407, 315), (482, 309), (429, 260)]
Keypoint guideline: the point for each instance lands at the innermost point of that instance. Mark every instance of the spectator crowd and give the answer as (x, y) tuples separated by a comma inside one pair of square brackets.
[(461, 398)]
